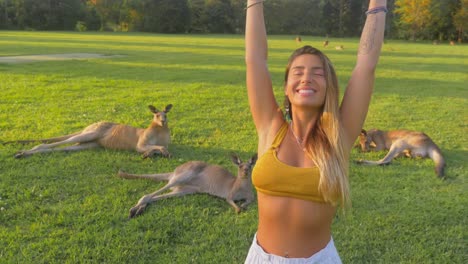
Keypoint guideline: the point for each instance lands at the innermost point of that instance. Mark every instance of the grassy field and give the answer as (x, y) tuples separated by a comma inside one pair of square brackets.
[(71, 208)]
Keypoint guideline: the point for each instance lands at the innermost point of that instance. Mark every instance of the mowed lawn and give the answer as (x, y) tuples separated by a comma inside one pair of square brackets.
[(71, 208)]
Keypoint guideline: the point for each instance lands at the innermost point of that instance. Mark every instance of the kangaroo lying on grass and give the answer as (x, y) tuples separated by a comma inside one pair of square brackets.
[(200, 177), (401, 142), (154, 139)]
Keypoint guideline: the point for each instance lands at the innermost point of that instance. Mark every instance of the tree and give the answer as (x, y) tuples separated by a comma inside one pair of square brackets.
[(238, 11), (442, 24), (301, 22), (414, 14), (4, 14), (197, 9), (218, 16), (460, 19), (353, 17), (165, 16), (92, 18), (330, 17)]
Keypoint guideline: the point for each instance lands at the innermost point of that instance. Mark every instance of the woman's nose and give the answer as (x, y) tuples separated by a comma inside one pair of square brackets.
[(306, 79)]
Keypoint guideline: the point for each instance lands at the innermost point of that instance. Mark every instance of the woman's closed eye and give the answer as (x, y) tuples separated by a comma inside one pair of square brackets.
[(318, 73), (298, 73)]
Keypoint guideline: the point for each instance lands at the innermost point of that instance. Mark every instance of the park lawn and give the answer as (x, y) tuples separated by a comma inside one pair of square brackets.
[(71, 208)]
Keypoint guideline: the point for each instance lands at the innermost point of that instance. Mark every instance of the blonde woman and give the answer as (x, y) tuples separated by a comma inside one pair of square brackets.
[(301, 175)]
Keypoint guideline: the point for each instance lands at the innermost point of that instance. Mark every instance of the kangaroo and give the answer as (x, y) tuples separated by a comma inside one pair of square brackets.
[(401, 142), (298, 39), (200, 177), (154, 139), (325, 43)]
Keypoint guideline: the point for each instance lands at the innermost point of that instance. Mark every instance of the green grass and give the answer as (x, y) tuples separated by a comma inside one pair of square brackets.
[(70, 207)]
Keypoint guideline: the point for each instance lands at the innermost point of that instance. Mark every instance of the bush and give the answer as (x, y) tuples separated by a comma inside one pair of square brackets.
[(80, 26)]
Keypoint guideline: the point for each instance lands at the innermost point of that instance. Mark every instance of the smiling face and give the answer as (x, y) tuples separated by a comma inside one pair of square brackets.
[(306, 84), (310, 82)]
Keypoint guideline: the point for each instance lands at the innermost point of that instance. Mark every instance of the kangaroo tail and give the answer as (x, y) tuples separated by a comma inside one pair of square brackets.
[(45, 140), (436, 156)]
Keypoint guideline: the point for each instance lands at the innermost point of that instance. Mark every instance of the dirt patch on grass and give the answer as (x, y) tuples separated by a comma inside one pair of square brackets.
[(54, 57)]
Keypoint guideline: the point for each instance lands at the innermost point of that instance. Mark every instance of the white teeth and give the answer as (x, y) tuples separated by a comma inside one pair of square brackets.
[(305, 91)]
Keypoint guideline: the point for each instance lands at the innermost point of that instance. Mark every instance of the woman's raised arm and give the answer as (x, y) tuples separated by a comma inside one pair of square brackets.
[(359, 90), (261, 98)]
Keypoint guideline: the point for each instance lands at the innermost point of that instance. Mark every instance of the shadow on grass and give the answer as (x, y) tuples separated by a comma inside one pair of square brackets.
[(186, 76)]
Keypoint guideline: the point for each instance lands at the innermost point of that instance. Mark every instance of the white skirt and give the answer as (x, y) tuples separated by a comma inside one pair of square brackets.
[(328, 255)]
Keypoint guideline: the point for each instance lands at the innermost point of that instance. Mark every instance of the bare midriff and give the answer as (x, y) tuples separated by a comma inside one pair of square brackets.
[(291, 227)]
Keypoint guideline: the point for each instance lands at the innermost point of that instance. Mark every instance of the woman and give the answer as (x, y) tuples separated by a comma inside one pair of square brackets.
[(301, 176)]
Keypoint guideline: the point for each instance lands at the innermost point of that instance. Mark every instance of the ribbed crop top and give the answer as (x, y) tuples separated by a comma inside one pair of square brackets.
[(274, 177)]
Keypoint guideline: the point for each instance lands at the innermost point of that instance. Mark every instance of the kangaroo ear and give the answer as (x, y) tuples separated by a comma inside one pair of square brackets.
[(168, 108), (253, 160), (153, 109), (363, 132), (235, 159)]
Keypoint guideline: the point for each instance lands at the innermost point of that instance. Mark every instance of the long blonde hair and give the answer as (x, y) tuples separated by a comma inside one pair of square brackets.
[(326, 146)]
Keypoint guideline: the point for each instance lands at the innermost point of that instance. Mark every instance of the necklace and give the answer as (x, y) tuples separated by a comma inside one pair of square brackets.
[(299, 141)]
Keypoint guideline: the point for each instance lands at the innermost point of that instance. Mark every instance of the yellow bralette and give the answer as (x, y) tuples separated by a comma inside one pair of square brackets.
[(273, 177)]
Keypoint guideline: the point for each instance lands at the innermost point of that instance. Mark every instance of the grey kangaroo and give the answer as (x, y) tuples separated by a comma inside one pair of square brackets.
[(200, 177), (401, 142), (154, 139)]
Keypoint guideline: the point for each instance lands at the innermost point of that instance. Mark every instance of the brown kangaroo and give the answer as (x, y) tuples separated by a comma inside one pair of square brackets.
[(325, 43), (200, 177), (298, 39), (401, 142), (154, 139)]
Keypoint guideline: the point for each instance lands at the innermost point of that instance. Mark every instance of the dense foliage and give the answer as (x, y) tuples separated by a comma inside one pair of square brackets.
[(408, 19)]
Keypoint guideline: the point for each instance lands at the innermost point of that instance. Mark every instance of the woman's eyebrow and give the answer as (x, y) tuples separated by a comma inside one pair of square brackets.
[(298, 68), (303, 67)]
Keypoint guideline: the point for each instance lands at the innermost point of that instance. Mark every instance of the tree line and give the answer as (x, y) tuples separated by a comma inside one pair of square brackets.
[(406, 19)]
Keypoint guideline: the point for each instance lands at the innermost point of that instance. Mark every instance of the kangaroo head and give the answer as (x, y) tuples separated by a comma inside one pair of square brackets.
[(369, 138), (365, 140), (244, 168), (159, 117)]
